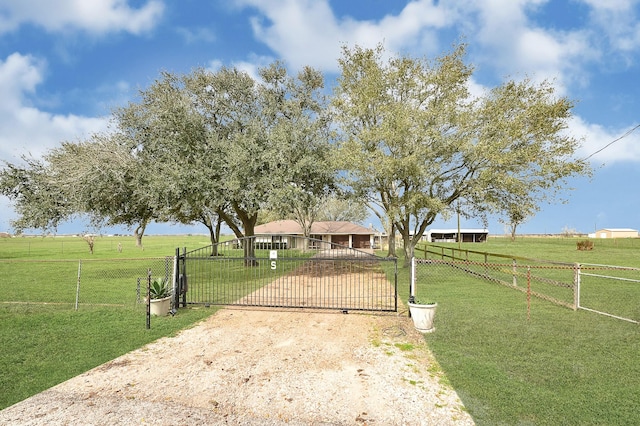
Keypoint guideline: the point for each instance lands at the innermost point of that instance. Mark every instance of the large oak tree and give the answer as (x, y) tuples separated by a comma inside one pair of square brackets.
[(414, 142)]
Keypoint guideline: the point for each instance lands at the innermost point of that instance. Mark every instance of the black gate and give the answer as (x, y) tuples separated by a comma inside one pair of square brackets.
[(286, 271)]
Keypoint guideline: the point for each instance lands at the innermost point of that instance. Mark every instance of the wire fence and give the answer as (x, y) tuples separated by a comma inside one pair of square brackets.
[(608, 290), (121, 283)]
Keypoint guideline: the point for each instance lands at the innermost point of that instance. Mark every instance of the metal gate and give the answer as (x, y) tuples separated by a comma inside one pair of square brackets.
[(286, 271)]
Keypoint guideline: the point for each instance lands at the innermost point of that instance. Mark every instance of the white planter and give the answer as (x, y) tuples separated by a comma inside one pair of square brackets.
[(160, 307), (423, 316)]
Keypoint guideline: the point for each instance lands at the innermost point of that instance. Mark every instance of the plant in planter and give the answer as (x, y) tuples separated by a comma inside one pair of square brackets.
[(160, 297), (422, 314)]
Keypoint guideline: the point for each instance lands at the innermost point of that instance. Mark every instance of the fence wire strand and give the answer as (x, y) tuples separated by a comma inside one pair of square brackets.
[(612, 291), (119, 283)]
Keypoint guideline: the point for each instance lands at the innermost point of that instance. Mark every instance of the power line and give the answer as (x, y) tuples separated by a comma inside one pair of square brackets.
[(612, 142)]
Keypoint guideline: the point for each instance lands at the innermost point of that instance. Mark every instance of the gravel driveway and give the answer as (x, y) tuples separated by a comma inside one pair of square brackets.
[(261, 367)]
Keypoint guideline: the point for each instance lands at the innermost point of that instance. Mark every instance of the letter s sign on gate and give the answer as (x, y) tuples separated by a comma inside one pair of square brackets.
[(273, 255)]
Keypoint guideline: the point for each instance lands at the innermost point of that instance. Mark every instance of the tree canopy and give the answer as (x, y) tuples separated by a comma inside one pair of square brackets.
[(201, 147), (401, 134), (414, 141)]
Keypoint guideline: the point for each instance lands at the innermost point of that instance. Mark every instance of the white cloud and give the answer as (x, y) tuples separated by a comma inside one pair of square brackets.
[(251, 67), (24, 128), (503, 35), (515, 45), (198, 34), (618, 21), (93, 16), (599, 145), (306, 32), (18, 74)]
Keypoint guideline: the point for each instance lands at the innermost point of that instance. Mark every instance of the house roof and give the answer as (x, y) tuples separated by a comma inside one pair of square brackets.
[(617, 230), (291, 227)]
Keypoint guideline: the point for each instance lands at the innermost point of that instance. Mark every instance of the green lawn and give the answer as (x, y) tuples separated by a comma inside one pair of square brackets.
[(45, 345), (45, 341), (557, 366), (551, 366)]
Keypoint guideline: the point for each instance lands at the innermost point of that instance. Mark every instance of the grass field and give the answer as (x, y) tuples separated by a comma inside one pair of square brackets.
[(45, 341), (558, 367), (553, 366)]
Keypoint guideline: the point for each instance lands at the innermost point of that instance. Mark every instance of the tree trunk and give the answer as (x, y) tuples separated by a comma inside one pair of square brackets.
[(306, 231), (230, 223), (391, 250), (217, 235), (408, 244), (139, 233), (249, 223), (214, 233)]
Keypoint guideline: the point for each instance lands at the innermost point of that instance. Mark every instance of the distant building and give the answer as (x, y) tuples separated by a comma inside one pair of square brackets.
[(451, 235), (615, 233)]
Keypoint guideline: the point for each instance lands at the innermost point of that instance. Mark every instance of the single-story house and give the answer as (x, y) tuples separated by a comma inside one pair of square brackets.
[(283, 233), (451, 235), (615, 233)]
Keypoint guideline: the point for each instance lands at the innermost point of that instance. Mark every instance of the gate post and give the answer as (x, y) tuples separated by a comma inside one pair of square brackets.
[(395, 283), (183, 281), (176, 279)]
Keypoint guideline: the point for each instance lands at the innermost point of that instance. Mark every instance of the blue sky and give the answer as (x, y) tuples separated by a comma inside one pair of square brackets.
[(65, 64)]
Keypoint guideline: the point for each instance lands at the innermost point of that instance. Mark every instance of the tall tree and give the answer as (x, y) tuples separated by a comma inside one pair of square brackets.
[(515, 216), (172, 140), (413, 140), (271, 135), (105, 179), (101, 178), (38, 201)]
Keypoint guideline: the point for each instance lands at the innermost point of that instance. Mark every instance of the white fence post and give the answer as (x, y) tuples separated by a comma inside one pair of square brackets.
[(576, 287), (412, 288), (78, 284)]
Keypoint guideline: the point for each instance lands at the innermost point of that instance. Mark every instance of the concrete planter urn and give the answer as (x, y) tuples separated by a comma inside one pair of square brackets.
[(160, 307), (160, 294), (423, 315)]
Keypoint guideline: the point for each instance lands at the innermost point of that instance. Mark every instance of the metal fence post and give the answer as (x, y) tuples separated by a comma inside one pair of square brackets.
[(78, 283), (183, 276), (148, 298), (395, 282), (176, 282)]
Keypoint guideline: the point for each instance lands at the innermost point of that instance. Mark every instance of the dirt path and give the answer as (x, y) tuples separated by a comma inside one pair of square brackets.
[(261, 367)]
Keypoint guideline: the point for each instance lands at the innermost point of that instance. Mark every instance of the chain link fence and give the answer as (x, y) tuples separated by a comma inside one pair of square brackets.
[(121, 283), (554, 283), (608, 290)]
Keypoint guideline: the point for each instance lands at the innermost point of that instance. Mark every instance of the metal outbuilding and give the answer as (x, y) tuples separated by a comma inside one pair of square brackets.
[(451, 235), (615, 233)]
